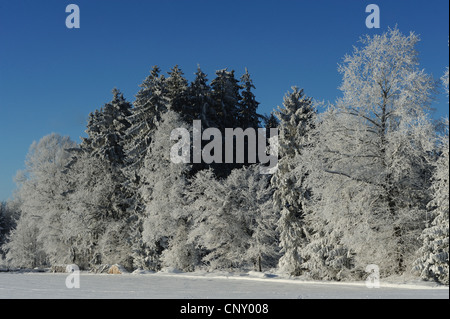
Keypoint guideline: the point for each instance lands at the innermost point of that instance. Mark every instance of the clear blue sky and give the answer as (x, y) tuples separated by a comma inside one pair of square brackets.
[(52, 77)]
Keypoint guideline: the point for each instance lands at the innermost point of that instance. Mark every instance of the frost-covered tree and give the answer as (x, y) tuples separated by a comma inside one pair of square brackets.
[(296, 122), (38, 238), (369, 167), (97, 191), (271, 121), (226, 97), (151, 102), (165, 218), (4, 222), (445, 80), (263, 251), (176, 92), (9, 213), (199, 97), (247, 115), (433, 262), (24, 250), (107, 128), (94, 215), (107, 134), (234, 222)]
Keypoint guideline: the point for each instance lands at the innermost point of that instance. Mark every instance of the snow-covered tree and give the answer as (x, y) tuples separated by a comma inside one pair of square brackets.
[(9, 213), (225, 94), (114, 244), (234, 222), (107, 128), (433, 262), (200, 98), (99, 200), (176, 92), (445, 80), (247, 115), (270, 121), (150, 104), (24, 249), (296, 122), (107, 134), (42, 185), (369, 167), (94, 215), (165, 217), (4, 223)]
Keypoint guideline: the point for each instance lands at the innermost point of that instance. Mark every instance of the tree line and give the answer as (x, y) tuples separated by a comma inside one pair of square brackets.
[(361, 181)]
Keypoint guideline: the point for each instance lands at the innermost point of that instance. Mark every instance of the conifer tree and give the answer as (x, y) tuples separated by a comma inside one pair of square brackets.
[(247, 114), (433, 261), (296, 121), (98, 194), (270, 121), (176, 92), (199, 95), (226, 97), (107, 128), (151, 102)]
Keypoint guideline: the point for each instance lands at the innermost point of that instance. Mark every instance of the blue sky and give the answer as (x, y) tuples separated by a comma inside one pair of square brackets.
[(52, 77)]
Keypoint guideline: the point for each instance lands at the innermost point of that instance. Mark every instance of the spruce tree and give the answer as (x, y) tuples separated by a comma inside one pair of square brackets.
[(199, 96), (107, 128), (247, 115), (270, 121), (98, 194), (151, 102), (226, 97), (176, 92), (290, 197), (433, 263)]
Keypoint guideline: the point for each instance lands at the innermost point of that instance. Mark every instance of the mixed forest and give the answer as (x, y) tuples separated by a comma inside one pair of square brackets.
[(361, 181)]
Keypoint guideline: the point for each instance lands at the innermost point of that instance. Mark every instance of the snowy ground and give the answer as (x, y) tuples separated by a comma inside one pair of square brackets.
[(201, 286)]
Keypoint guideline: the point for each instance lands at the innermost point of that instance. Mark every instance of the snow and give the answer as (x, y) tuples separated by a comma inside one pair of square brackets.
[(203, 285), (170, 270), (72, 268)]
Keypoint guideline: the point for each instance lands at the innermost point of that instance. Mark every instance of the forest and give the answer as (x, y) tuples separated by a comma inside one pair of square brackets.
[(361, 181)]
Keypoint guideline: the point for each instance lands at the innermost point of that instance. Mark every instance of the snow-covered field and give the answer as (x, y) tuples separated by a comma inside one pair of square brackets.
[(202, 286)]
